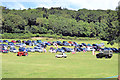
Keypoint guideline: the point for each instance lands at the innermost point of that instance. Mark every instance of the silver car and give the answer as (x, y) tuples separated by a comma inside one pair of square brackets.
[(30, 50)]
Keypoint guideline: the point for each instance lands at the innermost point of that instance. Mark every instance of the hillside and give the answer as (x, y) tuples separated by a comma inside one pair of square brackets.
[(82, 23)]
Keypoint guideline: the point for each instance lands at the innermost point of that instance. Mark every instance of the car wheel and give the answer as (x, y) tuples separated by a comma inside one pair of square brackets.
[(26, 54), (17, 55), (106, 57), (20, 54), (109, 56), (65, 57), (100, 56), (97, 56)]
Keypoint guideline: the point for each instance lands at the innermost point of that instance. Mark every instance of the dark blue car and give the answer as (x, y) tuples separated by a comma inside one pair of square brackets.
[(6, 41), (83, 44), (78, 50), (59, 43), (67, 49), (28, 42), (60, 50)]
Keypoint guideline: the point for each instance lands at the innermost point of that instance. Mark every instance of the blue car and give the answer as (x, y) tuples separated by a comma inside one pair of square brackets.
[(83, 44), (10, 44), (1, 41), (67, 49), (60, 50), (78, 50), (39, 41), (28, 42), (21, 49), (59, 43), (66, 44), (6, 41)]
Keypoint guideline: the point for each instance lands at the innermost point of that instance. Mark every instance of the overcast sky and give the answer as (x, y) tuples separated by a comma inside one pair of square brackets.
[(70, 4)]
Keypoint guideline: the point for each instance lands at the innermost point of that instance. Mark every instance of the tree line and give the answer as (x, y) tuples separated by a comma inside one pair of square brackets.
[(102, 24)]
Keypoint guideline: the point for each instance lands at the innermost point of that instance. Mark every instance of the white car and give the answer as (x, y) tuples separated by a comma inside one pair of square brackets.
[(63, 55), (52, 51), (90, 49)]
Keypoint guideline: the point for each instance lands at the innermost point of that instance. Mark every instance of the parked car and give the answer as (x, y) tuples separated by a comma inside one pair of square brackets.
[(105, 53), (54, 42), (63, 55), (89, 45), (14, 50), (22, 54), (67, 49), (13, 41), (23, 41), (70, 42), (39, 41), (60, 50), (4, 50), (119, 50), (1, 47), (10, 44), (18, 41), (52, 50), (79, 45), (6, 41), (18, 45), (4, 45), (28, 42), (78, 50), (116, 50), (50, 42), (38, 49), (1, 41), (75, 43), (59, 43), (66, 44), (94, 45), (90, 49), (83, 44), (30, 50), (21, 49), (46, 43)]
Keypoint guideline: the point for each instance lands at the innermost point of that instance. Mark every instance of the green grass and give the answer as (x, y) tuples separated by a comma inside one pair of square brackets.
[(45, 65)]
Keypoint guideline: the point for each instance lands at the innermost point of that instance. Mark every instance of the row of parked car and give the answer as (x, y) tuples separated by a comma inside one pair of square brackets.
[(38, 44), (64, 43)]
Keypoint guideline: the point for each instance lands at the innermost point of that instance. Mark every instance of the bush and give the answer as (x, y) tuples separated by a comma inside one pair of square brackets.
[(16, 35)]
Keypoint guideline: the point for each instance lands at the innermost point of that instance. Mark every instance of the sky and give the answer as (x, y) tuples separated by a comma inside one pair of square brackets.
[(69, 4)]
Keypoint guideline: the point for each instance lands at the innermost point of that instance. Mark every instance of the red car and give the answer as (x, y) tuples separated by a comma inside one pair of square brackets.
[(13, 41), (22, 54), (49, 42)]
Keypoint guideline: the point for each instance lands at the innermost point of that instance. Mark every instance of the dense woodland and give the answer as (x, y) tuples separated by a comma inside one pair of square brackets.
[(102, 24)]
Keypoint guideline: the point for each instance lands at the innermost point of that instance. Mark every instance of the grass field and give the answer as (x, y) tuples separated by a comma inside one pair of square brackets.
[(45, 65)]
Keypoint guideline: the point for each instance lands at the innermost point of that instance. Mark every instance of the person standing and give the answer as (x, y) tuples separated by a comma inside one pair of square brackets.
[(93, 51)]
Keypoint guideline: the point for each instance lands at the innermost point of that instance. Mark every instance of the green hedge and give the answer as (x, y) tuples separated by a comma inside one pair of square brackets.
[(16, 36), (29, 35)]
